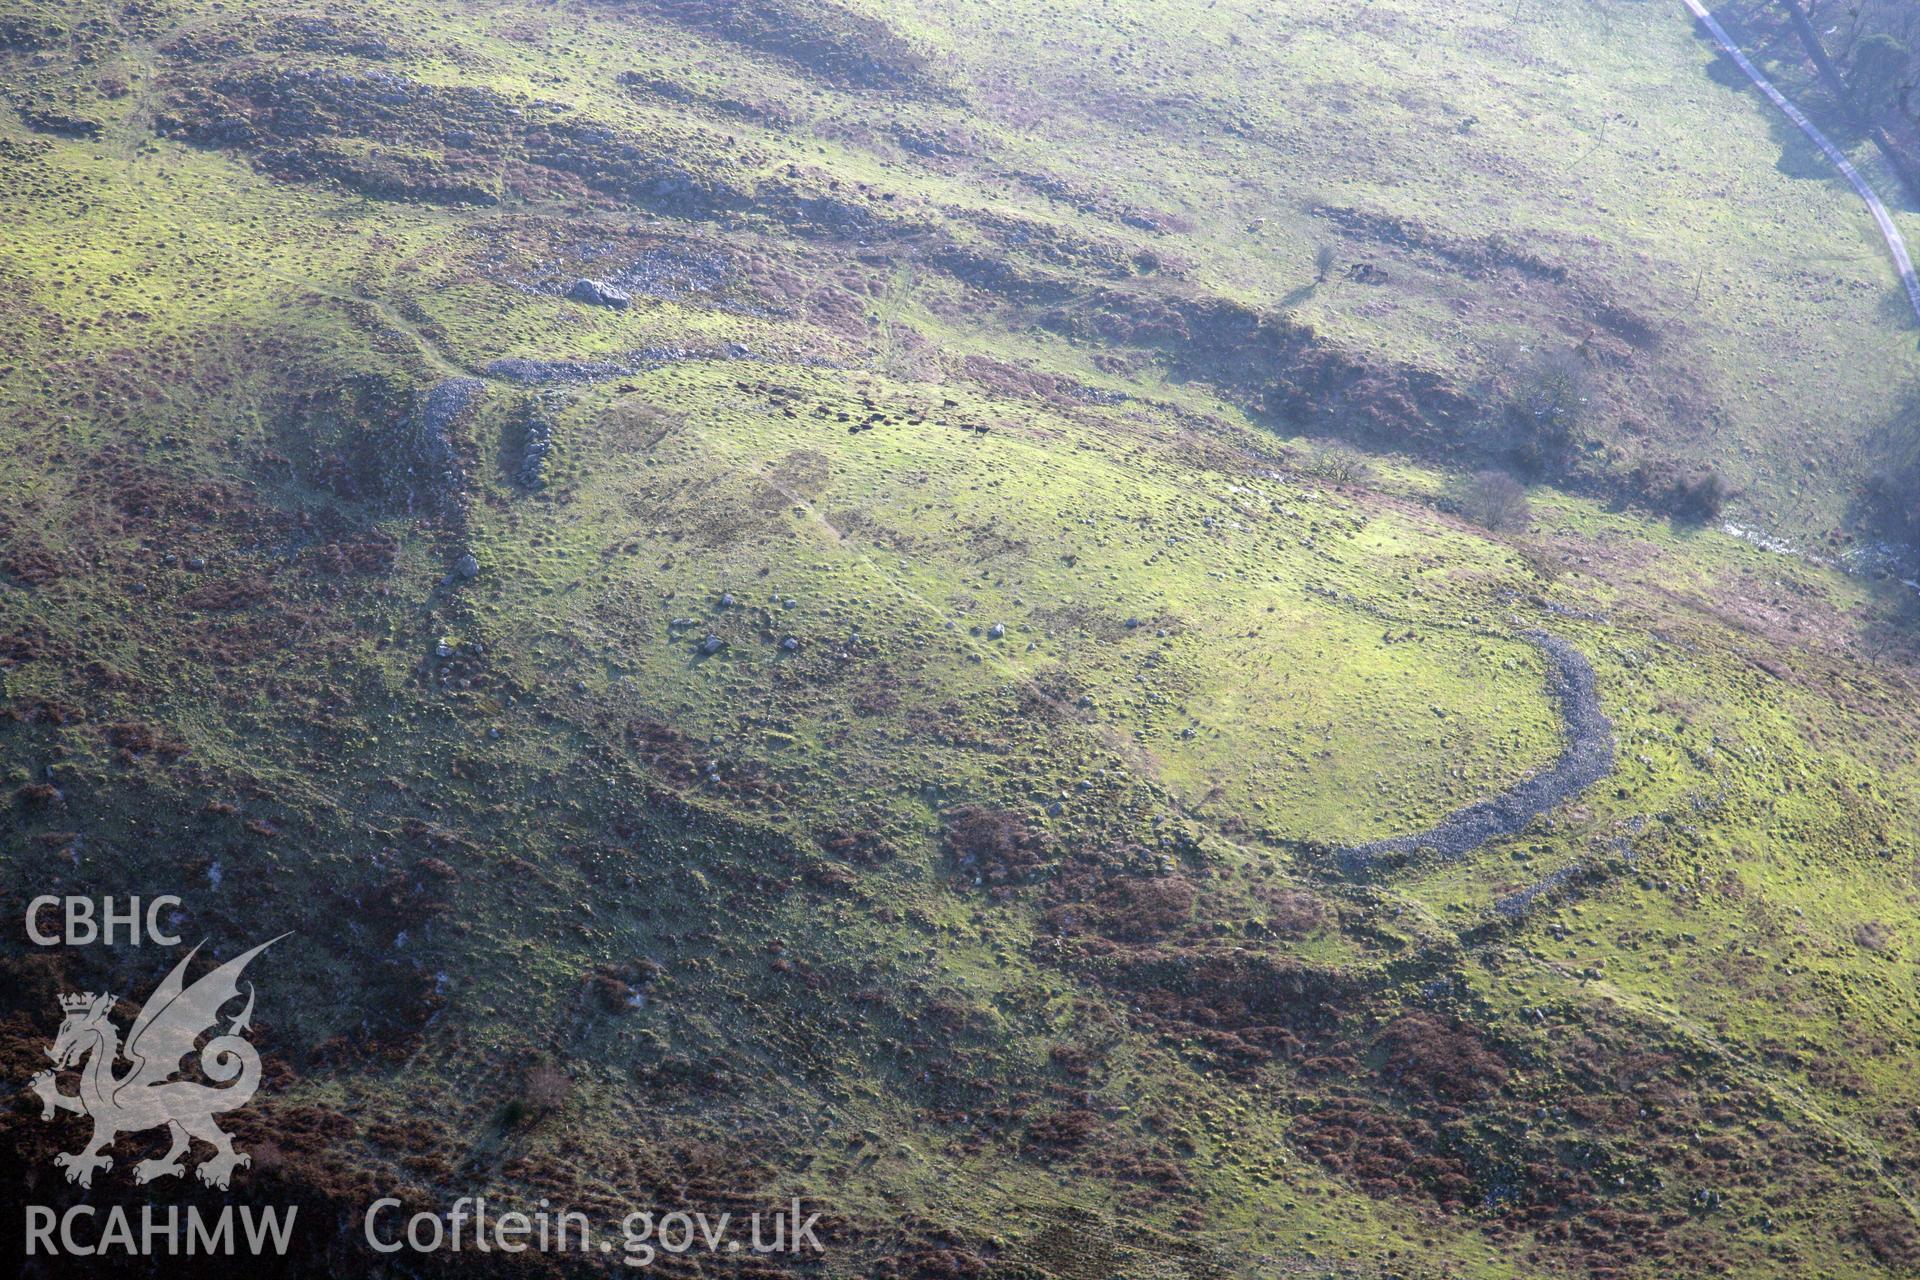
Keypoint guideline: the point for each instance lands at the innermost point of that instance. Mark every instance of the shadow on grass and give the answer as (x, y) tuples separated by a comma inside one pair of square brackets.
[(1300, 294), (1778, 55)]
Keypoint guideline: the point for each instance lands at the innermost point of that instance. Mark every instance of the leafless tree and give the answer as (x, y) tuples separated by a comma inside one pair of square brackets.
[(1493, 500), (1339, 463)]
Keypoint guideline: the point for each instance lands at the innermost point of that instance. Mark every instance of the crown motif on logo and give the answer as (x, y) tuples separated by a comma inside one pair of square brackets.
[(78, 1002)]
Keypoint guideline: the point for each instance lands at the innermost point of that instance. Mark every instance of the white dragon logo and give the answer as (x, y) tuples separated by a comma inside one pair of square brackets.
[(146, 1095)]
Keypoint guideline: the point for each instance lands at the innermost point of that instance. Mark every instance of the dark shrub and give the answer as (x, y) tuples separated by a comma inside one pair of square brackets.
[(1701, 495)]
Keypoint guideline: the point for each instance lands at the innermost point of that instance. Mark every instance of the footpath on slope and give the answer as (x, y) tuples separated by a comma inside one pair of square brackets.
[(1587, 757), (1895, 243)]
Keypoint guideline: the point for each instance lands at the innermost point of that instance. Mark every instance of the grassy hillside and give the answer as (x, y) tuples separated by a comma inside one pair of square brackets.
[(866, 699)]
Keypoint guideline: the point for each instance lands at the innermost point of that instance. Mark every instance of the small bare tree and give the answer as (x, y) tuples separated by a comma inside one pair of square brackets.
[(1340, 463), (1557, 390), (1494, 500)]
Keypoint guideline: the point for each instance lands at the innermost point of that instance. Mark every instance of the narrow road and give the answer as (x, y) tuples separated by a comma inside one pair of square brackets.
[(1895, 243), (1586, 758)]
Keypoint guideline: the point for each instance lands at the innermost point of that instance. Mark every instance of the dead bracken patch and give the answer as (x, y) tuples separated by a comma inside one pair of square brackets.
[(991, 847)]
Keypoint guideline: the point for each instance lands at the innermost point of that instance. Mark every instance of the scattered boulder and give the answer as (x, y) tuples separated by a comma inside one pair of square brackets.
[(599, 293)]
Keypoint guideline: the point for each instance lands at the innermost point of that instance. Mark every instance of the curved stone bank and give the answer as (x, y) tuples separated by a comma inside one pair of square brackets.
[(1587, 758)]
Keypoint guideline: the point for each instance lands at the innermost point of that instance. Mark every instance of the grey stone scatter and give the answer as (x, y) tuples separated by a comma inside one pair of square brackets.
[(1587, 757), (534, 373), (536, 447), (1515, 905), (433, 473)]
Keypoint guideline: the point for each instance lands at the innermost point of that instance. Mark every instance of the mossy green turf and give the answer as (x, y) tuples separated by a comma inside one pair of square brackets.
[(1588, 135), (1317, 660)]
